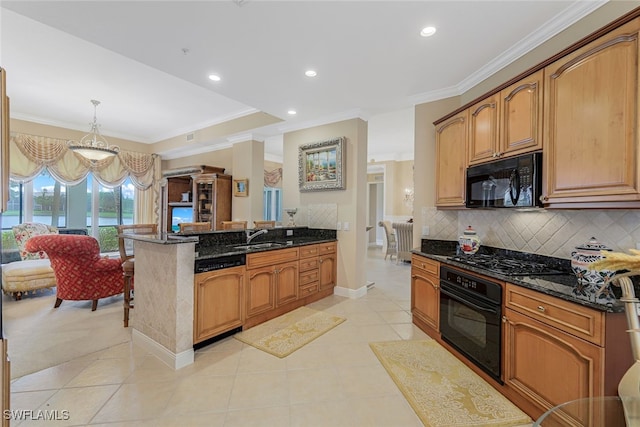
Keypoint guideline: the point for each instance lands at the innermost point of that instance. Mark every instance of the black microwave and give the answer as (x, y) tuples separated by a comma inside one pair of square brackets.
[(514, 182)]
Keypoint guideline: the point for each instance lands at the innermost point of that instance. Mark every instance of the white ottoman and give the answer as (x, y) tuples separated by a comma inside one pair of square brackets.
[(29, 275)]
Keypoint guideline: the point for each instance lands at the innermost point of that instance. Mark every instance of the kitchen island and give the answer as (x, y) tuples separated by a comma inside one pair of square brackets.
[(168, 320)]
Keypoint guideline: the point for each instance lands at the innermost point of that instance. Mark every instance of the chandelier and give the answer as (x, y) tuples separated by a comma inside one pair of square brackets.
[(93, 146)]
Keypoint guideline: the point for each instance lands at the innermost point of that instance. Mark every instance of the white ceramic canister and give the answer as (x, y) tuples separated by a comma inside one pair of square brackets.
[(586, 254), (469, 241)]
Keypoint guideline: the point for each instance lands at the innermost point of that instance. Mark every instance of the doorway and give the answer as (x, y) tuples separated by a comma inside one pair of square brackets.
[(375, 212)]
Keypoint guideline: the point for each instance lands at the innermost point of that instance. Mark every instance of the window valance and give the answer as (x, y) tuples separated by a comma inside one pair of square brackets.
[(271, 179), (30, 154)]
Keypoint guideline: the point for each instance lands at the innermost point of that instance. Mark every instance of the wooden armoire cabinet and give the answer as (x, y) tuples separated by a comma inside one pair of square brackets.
[(196, 194)]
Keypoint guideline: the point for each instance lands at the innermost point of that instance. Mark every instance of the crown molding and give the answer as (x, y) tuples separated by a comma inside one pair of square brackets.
[(356, 113)]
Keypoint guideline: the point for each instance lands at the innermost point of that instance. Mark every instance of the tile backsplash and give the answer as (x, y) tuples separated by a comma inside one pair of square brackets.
[(546, 232)]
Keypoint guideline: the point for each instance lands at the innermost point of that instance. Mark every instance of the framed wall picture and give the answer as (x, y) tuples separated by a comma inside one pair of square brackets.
[(241, 187), (321, 165)]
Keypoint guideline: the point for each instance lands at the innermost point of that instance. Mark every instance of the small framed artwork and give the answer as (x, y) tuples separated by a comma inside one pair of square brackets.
[(321, 165), (241, 187)]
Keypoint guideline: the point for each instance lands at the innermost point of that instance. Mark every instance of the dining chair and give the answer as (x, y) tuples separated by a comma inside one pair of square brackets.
[(194, 226), (127, 259), (234, 225), (264, 224)]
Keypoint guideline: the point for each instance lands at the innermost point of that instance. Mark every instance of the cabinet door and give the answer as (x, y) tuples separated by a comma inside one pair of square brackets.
[(328, 269), (286, 282), (260, 296), (591, 118), (548, 367), (425, 298), (521, 116), (451, 163), (483, 130), (219, 302)]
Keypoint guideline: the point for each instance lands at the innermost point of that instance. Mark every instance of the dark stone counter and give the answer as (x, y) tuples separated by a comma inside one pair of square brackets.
[(564, 286)]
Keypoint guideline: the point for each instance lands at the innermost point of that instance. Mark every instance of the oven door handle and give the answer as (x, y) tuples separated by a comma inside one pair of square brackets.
[(466, 301)]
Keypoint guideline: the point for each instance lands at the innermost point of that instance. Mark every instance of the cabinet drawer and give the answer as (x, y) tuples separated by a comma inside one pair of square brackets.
[(327, 248), (308, 276), (425, 264), (574, 319), (278, 256), (308, 289), (308, 251), (308, 264)]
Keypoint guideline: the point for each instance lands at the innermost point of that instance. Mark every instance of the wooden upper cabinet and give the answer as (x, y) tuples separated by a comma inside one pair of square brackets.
[(591, 119), (521, 116), (508, 123), (483, 130), (451, 160)]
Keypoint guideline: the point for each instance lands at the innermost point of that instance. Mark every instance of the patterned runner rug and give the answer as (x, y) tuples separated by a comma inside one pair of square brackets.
[(287, 333), (441, 389)]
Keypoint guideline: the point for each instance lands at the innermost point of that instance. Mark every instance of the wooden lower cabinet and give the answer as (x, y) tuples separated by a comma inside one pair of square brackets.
[(425, 292), (555, 351), (327, 266), (270, 284), (286, 282), (218, 301)]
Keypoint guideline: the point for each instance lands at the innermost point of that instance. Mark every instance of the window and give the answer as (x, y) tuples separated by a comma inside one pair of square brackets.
[(107, 206), (272, 204), (50, 202), (42, 200)]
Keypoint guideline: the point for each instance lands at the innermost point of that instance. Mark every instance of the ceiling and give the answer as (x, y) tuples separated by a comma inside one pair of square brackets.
[(148, 62)]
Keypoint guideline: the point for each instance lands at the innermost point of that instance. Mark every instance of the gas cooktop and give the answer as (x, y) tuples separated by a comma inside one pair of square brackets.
[(507, 266)]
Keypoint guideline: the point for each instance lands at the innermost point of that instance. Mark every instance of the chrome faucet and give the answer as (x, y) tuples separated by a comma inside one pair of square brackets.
[(250, 236)]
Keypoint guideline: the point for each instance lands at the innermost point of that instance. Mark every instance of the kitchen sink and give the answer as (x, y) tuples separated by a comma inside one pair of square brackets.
[(264, 245)]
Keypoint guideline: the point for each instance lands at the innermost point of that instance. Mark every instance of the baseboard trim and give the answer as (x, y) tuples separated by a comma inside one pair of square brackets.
[(350, 293), (171, 359)]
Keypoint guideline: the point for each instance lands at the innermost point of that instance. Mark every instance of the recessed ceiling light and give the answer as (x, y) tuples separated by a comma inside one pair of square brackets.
[(428, 31), (214, 77), (310, 73), (292, 112)]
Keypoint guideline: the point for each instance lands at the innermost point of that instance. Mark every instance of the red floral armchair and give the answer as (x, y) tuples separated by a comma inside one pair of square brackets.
[(81, 274)]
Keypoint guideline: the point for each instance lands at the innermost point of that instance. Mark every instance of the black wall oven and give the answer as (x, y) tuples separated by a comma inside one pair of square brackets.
[(470, 318)]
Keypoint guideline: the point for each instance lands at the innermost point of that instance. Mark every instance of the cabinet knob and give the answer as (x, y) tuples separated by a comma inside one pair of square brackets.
[(544, 198), (541, 309), (320, 261), (504, 319), (422, 264)]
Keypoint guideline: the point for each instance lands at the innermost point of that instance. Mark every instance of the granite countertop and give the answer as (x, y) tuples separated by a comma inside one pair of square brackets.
[(563, 286), (161, 238)]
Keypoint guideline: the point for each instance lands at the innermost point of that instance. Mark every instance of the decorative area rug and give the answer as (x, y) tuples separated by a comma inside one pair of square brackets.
[(287, 333), (441, 389), (41, 336)]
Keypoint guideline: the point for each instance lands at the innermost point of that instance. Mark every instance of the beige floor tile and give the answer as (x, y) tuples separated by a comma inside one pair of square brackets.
[(267, 417), (314, 385), (312, 355), (410, 332), (365, 318), (152, 369), (201, 393), (211, 419), (215, 363), (138, 401), (385, 411), (254, 360), (27, 401), (366, 381), (51, 378), (104, 371), (353, 354), (336, 413), (259, 390), (80, 404), (376, 333), (396, 317)]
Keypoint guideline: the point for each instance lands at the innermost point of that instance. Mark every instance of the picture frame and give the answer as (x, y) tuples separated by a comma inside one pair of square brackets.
[(321, 165), (241, 187)]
